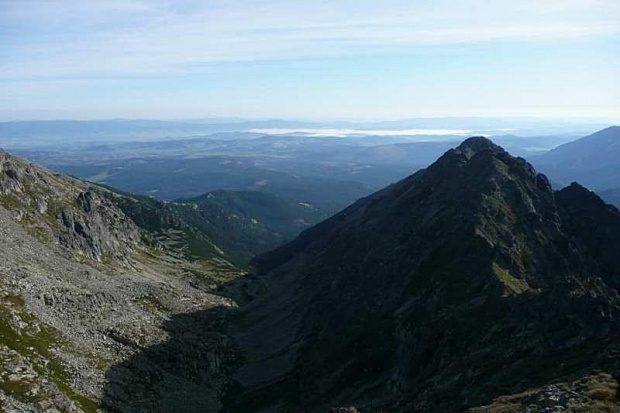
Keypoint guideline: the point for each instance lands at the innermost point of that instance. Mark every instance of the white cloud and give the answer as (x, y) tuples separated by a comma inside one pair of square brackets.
[(119, 38)]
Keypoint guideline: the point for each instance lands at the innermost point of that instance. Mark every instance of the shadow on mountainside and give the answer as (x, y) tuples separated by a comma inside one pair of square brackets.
[(194, 371), (186, 373)]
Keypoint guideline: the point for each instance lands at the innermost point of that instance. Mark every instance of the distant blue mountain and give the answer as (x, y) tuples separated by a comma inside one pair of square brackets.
[(593, 161), (71, 130), (612, 196)]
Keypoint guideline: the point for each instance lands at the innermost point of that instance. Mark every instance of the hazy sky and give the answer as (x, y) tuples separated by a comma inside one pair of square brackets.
[(309, 59)]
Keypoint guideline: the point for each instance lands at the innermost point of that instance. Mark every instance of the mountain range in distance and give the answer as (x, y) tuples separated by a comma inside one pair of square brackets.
[(328, 172), (612, 196), (64, 131)]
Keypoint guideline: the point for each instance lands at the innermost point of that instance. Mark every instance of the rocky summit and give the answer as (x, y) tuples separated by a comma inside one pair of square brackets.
[(468, 285)]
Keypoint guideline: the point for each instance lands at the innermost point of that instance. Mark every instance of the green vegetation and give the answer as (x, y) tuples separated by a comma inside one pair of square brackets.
[(234, 226), (11, 202), (102, 363), (517, 285), (33, 344), (212, 272)]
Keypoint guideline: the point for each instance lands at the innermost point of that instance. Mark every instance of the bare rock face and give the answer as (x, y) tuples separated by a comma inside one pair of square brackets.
[(66, 210), (99, 227), (466, 281)]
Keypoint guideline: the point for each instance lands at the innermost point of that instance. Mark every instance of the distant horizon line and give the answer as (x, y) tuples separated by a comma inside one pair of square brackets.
[(236, 119)]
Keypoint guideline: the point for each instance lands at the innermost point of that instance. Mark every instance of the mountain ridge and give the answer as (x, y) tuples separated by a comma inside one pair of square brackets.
[(433, 279)]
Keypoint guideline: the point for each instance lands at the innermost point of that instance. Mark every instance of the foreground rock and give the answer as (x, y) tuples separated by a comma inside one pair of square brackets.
[(594, 393)]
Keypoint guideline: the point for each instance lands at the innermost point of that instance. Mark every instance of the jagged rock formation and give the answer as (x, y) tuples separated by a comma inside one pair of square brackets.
[(168, 225), (65, 209), (466, 281)]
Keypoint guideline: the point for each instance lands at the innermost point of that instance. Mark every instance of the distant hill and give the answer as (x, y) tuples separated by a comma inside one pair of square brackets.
[(593, 161), (282, 218), (228, 225), (612, 196), (170, 179)]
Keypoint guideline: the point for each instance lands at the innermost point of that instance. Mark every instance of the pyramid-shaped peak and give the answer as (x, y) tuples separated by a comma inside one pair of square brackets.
[(478, 143), (579, 195)]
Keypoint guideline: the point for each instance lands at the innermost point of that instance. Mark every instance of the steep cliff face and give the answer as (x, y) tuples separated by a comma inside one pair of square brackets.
[(66, 210), (467, 280)]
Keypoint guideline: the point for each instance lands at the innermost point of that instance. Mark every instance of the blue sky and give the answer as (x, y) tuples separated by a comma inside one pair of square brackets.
[(309, 59)]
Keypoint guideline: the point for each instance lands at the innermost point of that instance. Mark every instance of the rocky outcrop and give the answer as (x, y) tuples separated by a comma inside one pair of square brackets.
[(58, 207), (98, 227), (467, 280), (593, 393)]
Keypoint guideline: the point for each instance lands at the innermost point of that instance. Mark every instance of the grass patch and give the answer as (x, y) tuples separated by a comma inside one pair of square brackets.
[(516, 285), (151, 304), (211, 272), (32, 344), (11, 202)]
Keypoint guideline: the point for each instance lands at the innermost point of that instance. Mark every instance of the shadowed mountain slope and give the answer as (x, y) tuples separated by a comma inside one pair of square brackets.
[(468, 280)]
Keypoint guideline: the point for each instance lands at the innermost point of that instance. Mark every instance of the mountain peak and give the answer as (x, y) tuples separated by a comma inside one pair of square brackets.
[(476, 144), (483, 158), (578, 195), (608, 135)]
